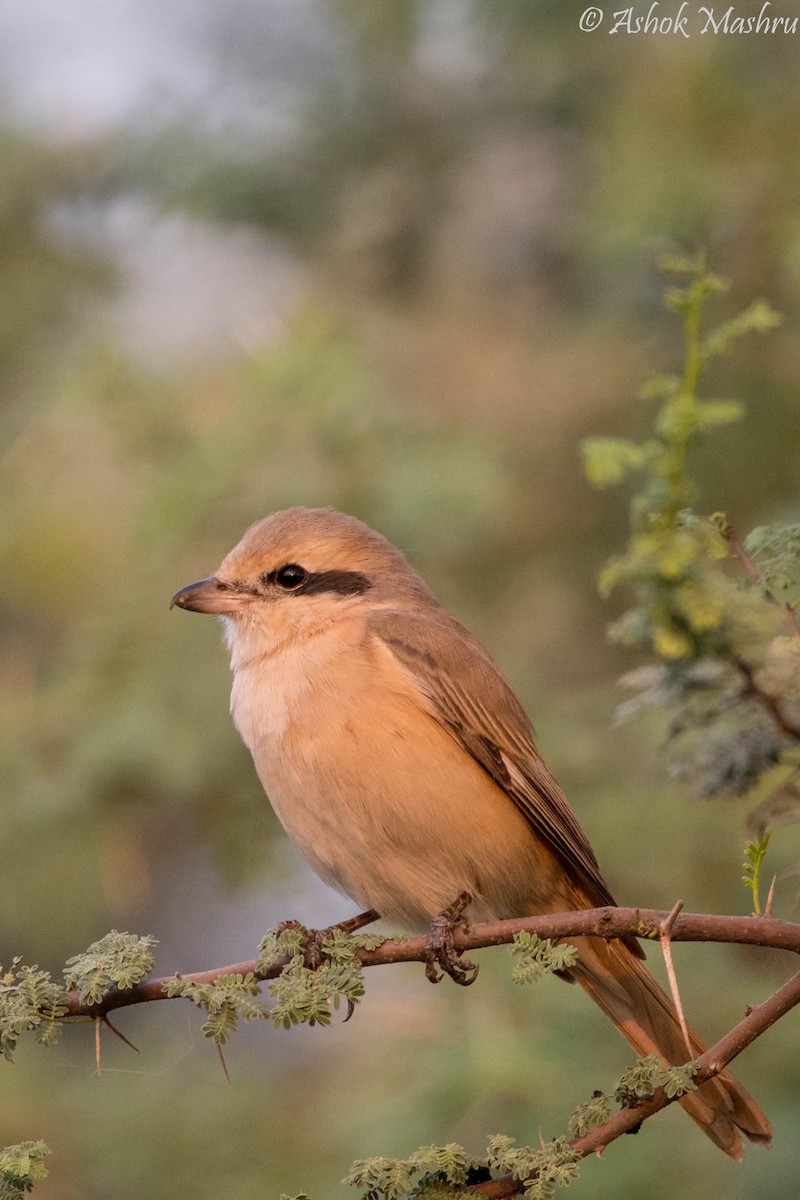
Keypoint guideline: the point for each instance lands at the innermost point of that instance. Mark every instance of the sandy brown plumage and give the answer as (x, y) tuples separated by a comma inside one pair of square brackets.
[(469, 696), (400, 761)]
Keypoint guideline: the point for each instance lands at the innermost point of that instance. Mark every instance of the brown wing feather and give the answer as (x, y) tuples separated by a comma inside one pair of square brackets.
[(470, 697)]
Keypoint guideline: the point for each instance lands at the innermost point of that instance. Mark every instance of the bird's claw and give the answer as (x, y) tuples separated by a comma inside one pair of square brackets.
[(441, 955), (314, 939)]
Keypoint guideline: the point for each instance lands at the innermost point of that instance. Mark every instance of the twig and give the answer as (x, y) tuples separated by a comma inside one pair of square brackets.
[(355, 923), (709, 1064), (665, 937), (608, 923), (98, 1026), (738, 551), (752, 688)]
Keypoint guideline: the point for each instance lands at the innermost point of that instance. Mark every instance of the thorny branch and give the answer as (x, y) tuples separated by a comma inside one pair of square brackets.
[(710, 1063), (608, 923)]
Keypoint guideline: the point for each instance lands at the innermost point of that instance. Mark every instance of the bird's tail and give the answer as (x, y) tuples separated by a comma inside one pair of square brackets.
[(622, 986)]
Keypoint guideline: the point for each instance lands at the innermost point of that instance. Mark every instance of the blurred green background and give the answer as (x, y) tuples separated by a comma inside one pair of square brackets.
[(396, 256)]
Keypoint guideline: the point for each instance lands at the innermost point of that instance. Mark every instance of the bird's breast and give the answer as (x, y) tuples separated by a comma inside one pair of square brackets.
[(381, 800), (296, 710)]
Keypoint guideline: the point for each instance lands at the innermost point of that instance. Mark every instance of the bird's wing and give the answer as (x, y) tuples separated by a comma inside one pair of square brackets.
[(467, 693)]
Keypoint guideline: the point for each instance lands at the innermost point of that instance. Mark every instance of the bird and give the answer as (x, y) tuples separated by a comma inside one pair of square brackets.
[(402, 765)]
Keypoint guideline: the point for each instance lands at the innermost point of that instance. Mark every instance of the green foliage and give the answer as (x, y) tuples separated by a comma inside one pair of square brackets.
[(775, 549), (537, 957), (450, 1162), (677, 1081), (685, 609), (732, 746), (555, 1164), (388, 1178), (301, 995), (29, 1001), (20, 1166), (118, 960), (542, 1168), (365, 941), (639, 1080), (753, 860), (589, 1114), (275, 945), (608, 460), (646, 1074), (445, 1170), (728, 680), (227, 1000), (338, 946)]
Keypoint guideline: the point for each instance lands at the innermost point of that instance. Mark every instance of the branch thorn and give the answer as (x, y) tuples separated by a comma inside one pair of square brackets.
[(119, 1034), (664, 934), (770, 896), (98, 1027), (222, 1060)]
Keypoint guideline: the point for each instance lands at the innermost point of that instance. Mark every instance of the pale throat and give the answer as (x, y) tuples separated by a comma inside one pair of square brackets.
[(282, 675), (250, 638)]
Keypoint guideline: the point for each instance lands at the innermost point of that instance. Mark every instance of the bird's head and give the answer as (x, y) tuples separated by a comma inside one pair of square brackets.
[(301, 568)]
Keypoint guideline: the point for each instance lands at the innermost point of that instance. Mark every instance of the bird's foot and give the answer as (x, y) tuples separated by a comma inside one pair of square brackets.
[(315, 938), (441, 954)]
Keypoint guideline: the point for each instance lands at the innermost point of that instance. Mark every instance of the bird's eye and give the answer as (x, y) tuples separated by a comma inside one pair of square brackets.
[(291, 577)]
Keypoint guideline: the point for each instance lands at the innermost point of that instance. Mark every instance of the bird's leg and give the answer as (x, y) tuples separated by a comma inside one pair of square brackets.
[(315, 938), (440, 950), (353, 924)]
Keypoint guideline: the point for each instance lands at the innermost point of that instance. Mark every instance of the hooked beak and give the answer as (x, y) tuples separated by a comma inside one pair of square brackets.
[(210, 595)]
